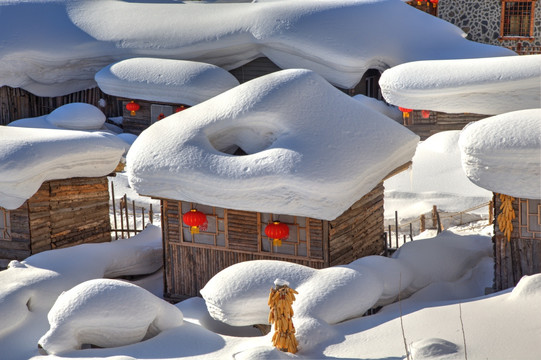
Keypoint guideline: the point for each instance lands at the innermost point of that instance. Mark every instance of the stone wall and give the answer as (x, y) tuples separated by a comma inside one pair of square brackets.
[(480, 19)]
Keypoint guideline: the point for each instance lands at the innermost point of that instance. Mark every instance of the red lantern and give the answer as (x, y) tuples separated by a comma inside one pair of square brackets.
[(425, 114), (277, 231), (132, 107), (180, 108), (196, 220), (405, 112), (161, 116), (434, 2)]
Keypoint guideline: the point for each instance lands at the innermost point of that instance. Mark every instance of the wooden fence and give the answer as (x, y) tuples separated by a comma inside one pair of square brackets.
[(128, 218), (406, 231)]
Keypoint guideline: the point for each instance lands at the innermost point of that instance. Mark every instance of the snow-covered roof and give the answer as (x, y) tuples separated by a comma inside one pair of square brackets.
[(312, 150), (484, 86), (165, 80), (53, 48), (30, 156), (503, 153)]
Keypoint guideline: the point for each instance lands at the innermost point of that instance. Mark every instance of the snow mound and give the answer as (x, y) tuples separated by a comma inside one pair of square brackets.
[(529, 286), (433, 348), (340, 40), (77, 116), (435, 177), (313, 155), (30, 156), (483, 86), (164, 80), (106, 313), (325, 295), (34, 284), (503, 153)]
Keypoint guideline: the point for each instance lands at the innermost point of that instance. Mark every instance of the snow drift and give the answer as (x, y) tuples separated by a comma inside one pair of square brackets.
[(503, 153), (164, 80), (30, 156), (311, 155), (34, 284), (106, 313), (483, 86), (60, 53), (326, 294)]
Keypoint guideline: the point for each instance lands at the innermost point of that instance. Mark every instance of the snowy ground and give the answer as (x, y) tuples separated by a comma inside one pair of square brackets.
[(442, 312)]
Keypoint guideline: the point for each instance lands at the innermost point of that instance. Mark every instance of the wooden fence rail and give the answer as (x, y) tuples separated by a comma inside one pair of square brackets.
[(437, 219), (125, 216)]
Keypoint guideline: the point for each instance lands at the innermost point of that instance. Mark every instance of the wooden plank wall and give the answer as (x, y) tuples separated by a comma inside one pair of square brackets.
[(518, 257), (438, 122), (188, 266), (135, 124), (18, 246), (254, 69), (358, 231), (16, 103), (79, 212), (61, 213)]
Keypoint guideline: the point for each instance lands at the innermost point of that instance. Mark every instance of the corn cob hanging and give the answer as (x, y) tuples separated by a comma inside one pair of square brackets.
[(280, 300), (505, 219)]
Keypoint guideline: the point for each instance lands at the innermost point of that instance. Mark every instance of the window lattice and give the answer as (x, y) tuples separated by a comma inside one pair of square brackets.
[(517, 18)]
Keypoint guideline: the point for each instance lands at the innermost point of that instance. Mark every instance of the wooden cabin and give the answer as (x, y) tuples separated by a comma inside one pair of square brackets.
[(61, 213), (147, 114), (233, 236), (520, 254), (427, 123)]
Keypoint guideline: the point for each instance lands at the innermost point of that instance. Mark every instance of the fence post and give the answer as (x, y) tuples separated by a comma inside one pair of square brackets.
[(490, 211), (396, 227), (114, 208), (423, 223), (434, 216)]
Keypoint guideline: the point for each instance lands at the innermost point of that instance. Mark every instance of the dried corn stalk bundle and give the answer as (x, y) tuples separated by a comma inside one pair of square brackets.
[(280, 302), (506, 217)]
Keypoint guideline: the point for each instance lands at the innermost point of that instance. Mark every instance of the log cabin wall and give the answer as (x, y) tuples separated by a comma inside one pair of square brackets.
[(438, 122), (16, 103), (358, 231), (61, 213), (522, 254), (254, 69), (233, 236)]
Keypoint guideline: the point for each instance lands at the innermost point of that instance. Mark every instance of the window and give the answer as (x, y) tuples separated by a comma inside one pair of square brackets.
[(517, 19)]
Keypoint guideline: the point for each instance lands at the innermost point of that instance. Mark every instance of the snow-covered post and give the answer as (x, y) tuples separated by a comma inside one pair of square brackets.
[(281, 312)]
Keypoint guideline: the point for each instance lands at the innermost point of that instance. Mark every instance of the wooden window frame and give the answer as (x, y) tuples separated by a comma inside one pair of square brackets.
[(504, 21)]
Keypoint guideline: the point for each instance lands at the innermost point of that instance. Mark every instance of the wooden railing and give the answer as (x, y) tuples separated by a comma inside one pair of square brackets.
[(398, 234), (127, 218)]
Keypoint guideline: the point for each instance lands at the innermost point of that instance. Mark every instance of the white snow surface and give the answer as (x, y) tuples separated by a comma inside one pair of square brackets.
[(503, 153), (164, 80), (435, 177), (326, 294), (312, 150), (53, 48), (30, 156), (484, 86), (106, 313), (29, 288)]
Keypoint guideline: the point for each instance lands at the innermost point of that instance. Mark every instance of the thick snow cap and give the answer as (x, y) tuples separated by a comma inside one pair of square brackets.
[(30, 156), (311, 150), (165, 80), (60, 52), (483, 86), (503, 153)]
